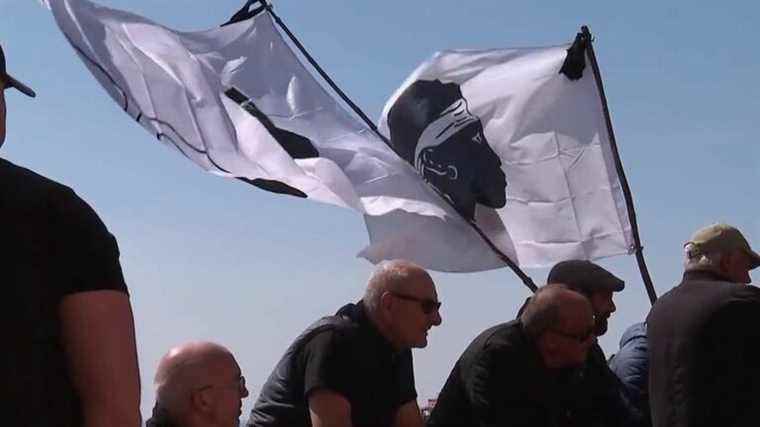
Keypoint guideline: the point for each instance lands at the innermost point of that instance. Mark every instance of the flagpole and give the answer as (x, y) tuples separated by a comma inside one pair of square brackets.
[(638, 248), (243, 13)]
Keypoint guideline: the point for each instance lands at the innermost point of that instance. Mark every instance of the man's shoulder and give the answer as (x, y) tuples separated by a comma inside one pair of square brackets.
[(499, 337), (22, 187), (13, 173)]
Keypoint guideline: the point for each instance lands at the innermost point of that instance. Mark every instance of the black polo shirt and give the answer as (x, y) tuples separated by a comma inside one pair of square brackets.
[(345, 354), (52, 244)]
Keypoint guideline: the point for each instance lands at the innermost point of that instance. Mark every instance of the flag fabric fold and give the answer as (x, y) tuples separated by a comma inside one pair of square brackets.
[(498, 138)]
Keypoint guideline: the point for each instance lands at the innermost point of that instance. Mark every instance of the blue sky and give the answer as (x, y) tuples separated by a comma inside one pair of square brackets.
[(209, 258)]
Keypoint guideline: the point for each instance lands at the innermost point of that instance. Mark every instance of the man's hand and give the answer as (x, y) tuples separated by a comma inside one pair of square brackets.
[(329, 409), (98, 335)]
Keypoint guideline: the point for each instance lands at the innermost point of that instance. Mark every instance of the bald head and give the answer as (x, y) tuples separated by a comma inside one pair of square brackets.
[(551, 306), (395, 276), (186, 368)]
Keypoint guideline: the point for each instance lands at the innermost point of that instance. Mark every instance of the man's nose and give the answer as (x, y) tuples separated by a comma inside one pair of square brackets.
[(437, 320)]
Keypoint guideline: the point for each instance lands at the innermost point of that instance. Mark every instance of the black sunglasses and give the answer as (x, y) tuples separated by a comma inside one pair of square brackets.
[(428, 306)]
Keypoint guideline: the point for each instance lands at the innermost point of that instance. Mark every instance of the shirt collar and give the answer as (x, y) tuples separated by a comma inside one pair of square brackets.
[(707, 275)]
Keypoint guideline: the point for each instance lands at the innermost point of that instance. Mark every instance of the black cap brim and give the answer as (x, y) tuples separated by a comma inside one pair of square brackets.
[(10, 81)]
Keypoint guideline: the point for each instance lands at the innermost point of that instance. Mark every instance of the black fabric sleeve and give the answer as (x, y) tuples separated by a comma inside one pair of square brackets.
[(87, 256), (405, 378), (326, 364)]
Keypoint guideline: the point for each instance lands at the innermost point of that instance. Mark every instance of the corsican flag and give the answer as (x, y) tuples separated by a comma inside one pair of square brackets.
[(505, 131), (238, 101)]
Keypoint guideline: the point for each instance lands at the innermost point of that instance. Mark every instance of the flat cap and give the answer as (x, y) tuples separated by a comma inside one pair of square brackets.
[(585, 276), (723, 238)]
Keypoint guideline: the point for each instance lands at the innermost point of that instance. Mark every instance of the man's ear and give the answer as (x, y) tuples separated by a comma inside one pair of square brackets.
[(386, 301)]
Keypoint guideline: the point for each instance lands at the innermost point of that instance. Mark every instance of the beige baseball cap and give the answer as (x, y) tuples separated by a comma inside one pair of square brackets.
[(723, 238)]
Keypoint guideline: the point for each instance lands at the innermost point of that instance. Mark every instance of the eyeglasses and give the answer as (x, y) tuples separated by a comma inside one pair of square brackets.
[(579, 337), (240, 385), (427, 305)]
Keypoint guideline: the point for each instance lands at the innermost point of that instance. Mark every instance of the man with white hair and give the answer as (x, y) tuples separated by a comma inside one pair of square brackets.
[(704, 340), (198, 384), (354, 369)]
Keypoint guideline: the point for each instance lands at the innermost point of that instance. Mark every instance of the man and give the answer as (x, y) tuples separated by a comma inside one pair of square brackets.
[(70, 356), (704, 340), (516, 373), (198, 384), (599, 396), (355, 369), (432, 128), (631, 365)]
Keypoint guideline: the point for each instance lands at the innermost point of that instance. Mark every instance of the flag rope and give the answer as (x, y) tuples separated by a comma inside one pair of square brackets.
[(638, 249), (527, 281)]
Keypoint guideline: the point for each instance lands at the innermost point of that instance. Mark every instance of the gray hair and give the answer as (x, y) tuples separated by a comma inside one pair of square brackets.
[(388, 276), (543, 310), (698, 260)]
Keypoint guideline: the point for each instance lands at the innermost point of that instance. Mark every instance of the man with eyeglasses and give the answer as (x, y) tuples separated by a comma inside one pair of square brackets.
[(599, 396), (517, 373), (198, 384), (354, 369)]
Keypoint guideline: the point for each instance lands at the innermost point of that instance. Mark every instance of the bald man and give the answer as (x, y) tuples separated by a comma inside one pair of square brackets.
[(354, 369), (518, 373), (198, 384)]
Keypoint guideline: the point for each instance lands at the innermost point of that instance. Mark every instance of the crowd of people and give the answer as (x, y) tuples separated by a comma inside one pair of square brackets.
[(72, 359)]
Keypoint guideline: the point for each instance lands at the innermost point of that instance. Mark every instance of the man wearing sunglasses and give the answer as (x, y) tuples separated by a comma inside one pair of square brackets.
[(599, 395), (354, 369), (198, 384), (70, 356), (517, 373)]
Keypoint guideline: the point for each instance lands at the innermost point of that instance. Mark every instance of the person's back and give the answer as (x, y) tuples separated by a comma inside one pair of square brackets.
[(704, 349), (35, 368), (631, 365), (518, 373), (72, 357), (529, 400)]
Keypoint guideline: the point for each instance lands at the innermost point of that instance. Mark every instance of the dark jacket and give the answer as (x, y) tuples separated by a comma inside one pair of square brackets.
[(704, 342), (160, 418), (598, 397), (500, 380), (631, 365)]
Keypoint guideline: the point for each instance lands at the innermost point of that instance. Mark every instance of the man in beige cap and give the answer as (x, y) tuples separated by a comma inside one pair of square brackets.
[(704, 339)]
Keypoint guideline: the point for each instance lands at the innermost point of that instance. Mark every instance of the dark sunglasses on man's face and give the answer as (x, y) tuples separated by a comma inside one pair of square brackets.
[(427, 305)]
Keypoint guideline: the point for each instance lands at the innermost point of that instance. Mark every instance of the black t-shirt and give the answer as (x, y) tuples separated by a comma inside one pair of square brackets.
[(52, 244), (345, 354)]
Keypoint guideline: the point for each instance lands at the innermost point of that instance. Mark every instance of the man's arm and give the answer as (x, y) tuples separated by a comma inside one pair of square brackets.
[(408, 415), (98, 334), (329, 409)]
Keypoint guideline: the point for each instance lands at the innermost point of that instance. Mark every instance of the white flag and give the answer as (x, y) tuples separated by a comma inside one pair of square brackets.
[(237, 101), (503, 130)]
